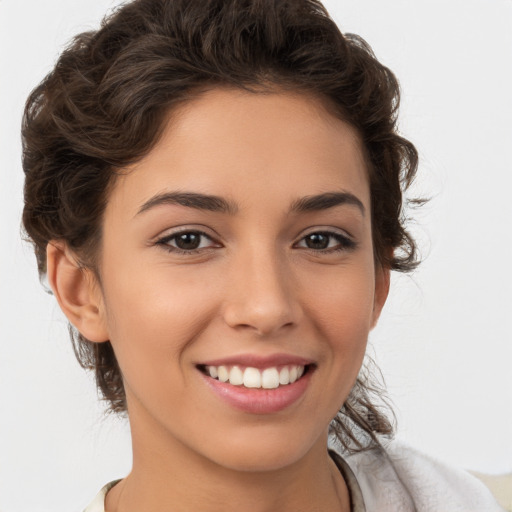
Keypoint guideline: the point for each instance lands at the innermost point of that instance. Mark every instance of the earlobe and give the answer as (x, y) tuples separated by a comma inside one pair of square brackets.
[(77, 292), (382, 281)]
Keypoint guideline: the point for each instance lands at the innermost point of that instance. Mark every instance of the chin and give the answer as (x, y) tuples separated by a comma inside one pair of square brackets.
[(265, 450)]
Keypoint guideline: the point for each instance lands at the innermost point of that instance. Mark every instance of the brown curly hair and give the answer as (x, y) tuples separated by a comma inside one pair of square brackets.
[(103, 106)]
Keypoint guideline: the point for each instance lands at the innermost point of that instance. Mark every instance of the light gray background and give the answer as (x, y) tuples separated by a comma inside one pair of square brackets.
[(444, 341)]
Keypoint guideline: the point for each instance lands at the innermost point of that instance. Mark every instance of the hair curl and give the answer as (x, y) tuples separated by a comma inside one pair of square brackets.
[(104, 104)]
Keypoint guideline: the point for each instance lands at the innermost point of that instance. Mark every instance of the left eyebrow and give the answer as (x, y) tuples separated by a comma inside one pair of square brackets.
[(325, 201)]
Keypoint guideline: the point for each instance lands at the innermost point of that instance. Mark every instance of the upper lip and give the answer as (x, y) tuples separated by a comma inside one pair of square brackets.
[(258, 361)]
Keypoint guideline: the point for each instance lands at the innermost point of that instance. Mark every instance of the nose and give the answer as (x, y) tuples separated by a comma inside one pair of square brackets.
[(261, 296)]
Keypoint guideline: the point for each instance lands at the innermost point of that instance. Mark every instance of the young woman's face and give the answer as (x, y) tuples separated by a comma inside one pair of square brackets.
[(240, 248)]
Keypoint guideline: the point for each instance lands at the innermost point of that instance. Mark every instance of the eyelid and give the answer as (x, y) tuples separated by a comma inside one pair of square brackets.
[(199, 228), (328, 230), (164, 239), (345, 240)]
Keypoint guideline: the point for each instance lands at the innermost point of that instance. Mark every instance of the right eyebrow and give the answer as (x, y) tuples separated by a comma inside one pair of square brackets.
[(191, 200)]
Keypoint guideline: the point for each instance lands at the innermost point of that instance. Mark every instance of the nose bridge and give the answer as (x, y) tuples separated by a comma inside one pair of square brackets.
[(261, 289)]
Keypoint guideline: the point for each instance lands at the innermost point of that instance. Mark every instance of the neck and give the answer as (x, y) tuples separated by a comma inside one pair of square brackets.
[(166, 475)]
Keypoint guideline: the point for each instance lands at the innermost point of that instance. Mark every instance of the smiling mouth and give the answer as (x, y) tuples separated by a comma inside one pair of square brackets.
[(255, 378)]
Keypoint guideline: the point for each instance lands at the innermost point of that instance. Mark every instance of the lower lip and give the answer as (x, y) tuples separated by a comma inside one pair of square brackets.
[(259, 400)]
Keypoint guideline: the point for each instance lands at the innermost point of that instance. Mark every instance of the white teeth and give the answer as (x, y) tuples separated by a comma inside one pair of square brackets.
[(252, 378), (269, 378), (223, 373), (284, 376), (236, 377)]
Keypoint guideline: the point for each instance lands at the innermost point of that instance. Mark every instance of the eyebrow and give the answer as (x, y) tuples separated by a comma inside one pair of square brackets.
[(191, 200), (325, 201), (219, 204)]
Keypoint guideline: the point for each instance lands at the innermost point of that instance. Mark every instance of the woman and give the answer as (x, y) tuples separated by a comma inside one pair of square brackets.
[(214, 193)]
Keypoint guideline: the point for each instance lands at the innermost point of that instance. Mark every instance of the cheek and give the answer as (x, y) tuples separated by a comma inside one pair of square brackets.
[(343, 302), (154, 315), (342, 315)]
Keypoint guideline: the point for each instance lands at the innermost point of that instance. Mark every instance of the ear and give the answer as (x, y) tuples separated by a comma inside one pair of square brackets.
[(77, 291), (382, 278)]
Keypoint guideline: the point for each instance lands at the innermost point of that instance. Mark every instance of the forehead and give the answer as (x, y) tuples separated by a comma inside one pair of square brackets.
[(230, 142)]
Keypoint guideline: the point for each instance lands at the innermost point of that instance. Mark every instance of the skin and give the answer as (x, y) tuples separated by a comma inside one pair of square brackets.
[(253, 287)]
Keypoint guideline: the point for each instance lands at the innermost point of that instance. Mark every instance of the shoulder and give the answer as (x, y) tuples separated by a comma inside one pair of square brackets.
[(98, 503), (397, 476)]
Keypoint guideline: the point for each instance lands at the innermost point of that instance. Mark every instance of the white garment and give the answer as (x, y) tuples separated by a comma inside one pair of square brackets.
[(396, 478), (399, 478)]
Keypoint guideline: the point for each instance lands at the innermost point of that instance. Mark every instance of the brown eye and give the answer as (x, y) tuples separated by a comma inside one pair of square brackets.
[(327, 242), (317, 241), (187, 242)]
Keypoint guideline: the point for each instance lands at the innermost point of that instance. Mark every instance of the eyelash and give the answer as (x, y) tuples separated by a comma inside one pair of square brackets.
[(164, 241), (345, 243)]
